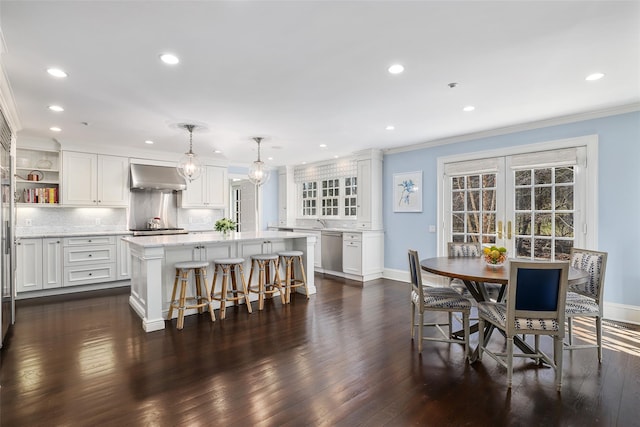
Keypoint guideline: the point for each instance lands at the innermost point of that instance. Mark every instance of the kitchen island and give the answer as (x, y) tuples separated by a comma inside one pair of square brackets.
[(153, 259)]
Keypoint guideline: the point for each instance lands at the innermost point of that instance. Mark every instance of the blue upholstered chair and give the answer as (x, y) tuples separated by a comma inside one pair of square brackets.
[(535, 305), (585, 300), (425, 299)]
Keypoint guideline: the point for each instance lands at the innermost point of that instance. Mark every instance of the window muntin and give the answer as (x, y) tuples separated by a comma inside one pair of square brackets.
[(309, 198), (330, 197), (473, 208), (350, 196)]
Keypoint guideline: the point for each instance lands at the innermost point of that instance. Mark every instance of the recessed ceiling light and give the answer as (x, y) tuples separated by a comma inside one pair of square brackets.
[(396, 69), (56, 72), (390, 127), (55, 129), (56, 108), (269, 158), (148, 141), (217, 151), (594, 77), (323, 145), (304, 163), (335, 157), (469, 108), (169, 58)]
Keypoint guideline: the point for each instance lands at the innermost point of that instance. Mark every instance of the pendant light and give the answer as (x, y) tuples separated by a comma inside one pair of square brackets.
[(189, 166), (258, 173)]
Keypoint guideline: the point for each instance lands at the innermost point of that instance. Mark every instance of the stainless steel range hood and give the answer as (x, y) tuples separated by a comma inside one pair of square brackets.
[(150, 177)]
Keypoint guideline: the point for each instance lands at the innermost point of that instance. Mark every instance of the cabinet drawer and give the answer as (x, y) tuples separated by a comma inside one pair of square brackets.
[(355, 244), (89, 240), (83, 275), (351, 237), (89, 255)]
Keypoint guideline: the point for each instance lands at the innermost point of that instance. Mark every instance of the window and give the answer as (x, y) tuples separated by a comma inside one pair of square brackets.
[(309, 198), (330, 197), (473, 208), (350, 196), (533, 201)]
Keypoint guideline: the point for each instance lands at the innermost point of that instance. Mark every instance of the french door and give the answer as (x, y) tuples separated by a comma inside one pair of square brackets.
[(533, 203)]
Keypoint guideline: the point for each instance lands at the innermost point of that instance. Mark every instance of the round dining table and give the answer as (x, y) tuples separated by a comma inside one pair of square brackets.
[(474, 273)]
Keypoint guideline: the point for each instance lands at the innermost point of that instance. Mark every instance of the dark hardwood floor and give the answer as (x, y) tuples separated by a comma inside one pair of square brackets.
[(343, 358)]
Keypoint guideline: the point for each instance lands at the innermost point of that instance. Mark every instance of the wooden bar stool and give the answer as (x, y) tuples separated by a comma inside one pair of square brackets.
[(229, 267), (202, 297), (288, 260), (266, 286)]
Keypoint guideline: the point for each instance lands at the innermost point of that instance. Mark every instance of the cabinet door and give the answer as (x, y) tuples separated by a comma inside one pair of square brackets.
[(51, 263), (352, 257), (194, 195), (217, 187), (29, 265), (113, 181), (79, 179), (364, 194)]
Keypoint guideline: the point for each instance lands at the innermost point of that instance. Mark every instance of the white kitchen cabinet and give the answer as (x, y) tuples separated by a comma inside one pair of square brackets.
[(89, 260), (369, 215), (38, 264), (29, 265), (363, 254), (352, 253), (94, 180), (209, 191), (51, 263)]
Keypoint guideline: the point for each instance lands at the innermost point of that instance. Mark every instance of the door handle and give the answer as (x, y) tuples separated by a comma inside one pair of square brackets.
[(509, 230), (499, 230)]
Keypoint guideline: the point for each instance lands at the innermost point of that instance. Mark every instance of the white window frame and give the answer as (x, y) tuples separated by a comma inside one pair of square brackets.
[(587, 166)]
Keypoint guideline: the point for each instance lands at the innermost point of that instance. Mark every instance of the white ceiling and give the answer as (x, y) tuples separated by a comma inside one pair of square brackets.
[(307, 73)]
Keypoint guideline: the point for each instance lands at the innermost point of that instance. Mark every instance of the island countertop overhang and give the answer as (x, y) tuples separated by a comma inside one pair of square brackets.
[(210, 237)]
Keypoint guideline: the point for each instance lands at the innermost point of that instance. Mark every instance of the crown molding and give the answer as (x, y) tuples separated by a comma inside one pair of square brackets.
[(572, 118)]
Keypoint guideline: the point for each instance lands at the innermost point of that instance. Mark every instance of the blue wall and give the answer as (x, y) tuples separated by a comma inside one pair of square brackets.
[(618, 196)]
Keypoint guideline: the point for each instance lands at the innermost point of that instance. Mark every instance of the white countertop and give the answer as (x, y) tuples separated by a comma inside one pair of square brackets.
[(211, 237)]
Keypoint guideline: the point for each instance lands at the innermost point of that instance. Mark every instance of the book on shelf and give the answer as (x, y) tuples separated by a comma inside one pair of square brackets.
[(40, 195)]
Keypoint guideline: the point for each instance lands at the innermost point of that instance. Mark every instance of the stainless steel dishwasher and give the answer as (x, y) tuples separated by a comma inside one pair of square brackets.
[(332, 250)]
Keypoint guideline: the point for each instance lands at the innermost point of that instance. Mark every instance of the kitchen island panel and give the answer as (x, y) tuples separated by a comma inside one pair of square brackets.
[(153, 259)]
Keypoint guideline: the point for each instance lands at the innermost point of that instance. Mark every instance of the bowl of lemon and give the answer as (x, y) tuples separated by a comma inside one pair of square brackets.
[(495, 256)]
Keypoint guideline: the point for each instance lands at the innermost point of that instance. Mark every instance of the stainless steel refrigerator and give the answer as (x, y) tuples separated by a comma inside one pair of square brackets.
[(7, 308)]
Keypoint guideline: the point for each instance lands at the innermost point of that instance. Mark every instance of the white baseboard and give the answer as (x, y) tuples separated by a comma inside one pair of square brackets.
[(403, 276), (622, 312)]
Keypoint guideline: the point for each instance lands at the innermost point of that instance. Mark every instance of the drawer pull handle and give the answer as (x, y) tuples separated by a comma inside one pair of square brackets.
[(90, 274), (90, 255)]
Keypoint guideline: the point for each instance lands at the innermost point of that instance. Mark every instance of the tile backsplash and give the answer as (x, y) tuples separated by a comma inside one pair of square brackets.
[(38, 220)]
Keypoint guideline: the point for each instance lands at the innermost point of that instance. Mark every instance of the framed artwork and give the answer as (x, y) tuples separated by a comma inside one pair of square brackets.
[(407, 192)]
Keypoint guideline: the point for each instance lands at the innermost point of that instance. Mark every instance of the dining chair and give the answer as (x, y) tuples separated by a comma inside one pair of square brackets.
[(424, 299), (535, 305), (469, 249), (585, 300)]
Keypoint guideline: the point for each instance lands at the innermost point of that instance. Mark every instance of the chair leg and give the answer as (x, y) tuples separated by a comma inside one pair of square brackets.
[(304, 277), (599, 337), (173, 295), (467, 333), (245, 289), (276, 280), (509, 361), (569, 326), (413, 319), (480, 337), (184, 280), (557, 356), (223, 293), (207, 293), (261, 285), (450, 324), (198, 279), (420, 328)]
